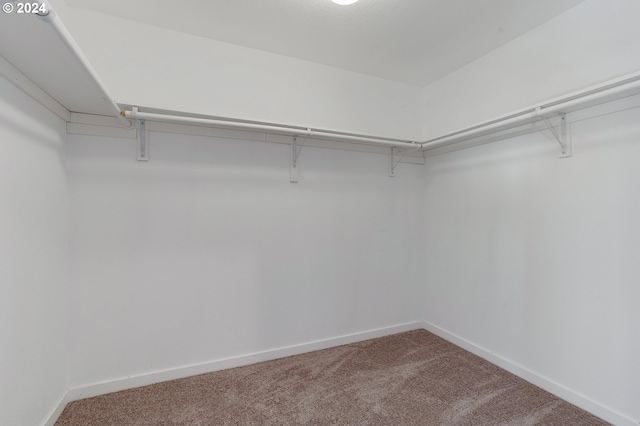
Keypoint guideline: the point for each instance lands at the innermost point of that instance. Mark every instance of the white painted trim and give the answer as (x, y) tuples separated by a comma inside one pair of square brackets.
[(409, 157), (89, 129), (56, 410), (96, 120), (550, 386), (102, 388), (557, 389), (486, 139), (22, 82)]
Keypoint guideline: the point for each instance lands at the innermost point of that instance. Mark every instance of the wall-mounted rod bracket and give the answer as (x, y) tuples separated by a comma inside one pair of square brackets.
[(562, 138), (395, 156), (143, 143), (295, 152)]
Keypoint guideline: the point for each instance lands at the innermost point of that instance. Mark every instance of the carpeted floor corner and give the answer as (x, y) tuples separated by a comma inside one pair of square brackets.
[(412, 378)]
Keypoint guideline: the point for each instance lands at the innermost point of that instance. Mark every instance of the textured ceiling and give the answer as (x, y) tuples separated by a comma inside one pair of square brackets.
[(410, 41)]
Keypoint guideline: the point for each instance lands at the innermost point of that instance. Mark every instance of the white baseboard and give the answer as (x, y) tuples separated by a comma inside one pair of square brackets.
[(217, 365), (56, 410), (550, 386)]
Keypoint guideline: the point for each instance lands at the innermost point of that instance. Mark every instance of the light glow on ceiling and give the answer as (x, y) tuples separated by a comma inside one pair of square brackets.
[(344, 2)]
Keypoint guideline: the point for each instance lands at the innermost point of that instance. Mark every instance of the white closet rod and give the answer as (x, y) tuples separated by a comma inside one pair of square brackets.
[(294, 131), (620, 89), (624, 87), (52, 18), (627, 87)]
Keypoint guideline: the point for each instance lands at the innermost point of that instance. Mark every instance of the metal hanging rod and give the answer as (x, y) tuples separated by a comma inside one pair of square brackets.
[(624, 87), (294, 131), (52, 18)]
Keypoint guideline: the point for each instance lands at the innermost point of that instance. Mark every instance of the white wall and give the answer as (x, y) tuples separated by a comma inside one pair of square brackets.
[(33, 259), (593, 42), (207, 251), (535, 258), (154, 67)]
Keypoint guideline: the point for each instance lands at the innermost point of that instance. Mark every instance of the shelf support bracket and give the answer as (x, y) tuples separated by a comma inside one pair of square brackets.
[(143, 143), (395, 156), (293, 172), (562, 137)]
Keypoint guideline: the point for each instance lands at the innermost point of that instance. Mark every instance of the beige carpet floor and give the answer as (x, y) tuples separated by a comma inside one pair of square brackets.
[(413, 378)]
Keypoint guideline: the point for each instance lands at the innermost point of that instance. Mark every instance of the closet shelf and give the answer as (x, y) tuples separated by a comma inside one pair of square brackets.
[(38, 55)]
